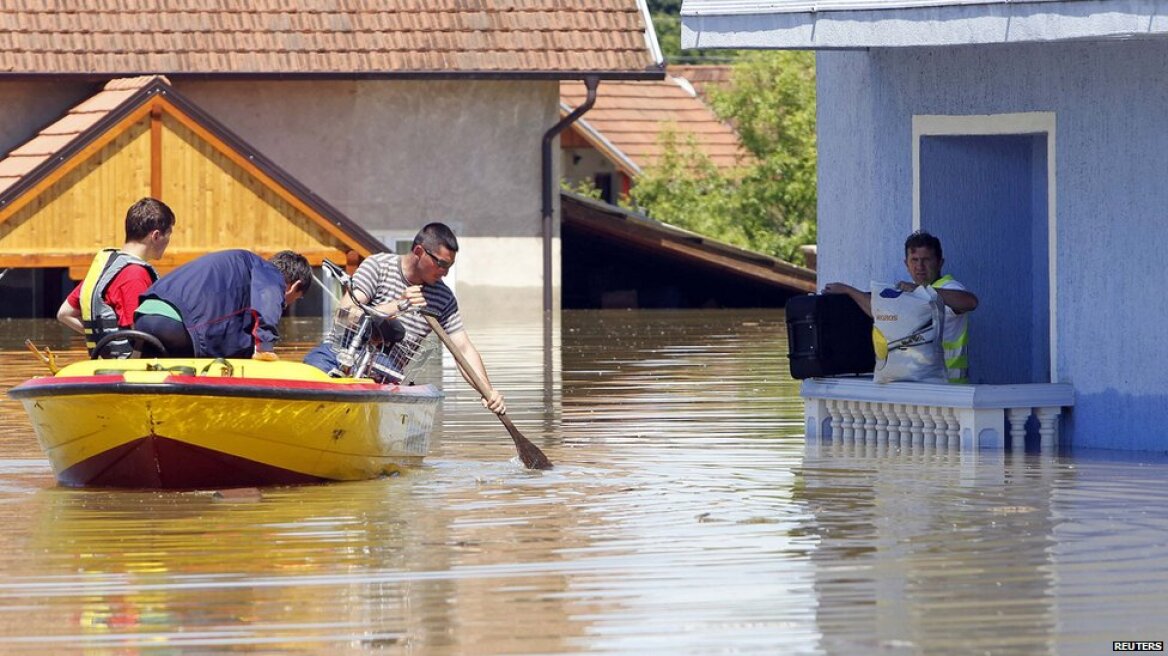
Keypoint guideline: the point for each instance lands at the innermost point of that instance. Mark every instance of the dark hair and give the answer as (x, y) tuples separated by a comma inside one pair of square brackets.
[(919, 239), (295, 268), (433, 235), (146, 216)]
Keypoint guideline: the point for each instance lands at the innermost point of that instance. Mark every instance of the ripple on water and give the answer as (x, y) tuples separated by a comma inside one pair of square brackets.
[(684, 516)]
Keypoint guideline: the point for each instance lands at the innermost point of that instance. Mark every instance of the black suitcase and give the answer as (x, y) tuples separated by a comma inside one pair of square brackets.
[(828, 335)]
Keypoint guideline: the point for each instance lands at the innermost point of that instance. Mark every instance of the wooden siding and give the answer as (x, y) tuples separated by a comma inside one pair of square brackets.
[(218, 204)]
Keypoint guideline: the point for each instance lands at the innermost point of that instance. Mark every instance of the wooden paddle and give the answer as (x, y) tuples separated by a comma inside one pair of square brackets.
[(46, 356), (529, 453)]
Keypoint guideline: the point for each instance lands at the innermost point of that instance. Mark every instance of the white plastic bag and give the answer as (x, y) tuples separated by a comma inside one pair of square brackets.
[(906, 334)]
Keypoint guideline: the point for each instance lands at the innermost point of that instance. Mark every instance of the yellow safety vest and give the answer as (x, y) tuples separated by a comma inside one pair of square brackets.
[(97, 317), (956, 357)]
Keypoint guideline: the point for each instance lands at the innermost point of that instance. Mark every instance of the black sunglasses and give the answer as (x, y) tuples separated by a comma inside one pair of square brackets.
[(442, 264)]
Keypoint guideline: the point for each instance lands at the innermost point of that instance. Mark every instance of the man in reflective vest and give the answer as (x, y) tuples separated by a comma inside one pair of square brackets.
[(105, 300), (923, 259)]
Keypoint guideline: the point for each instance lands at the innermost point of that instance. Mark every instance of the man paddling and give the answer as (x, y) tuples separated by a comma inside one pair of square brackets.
[(393, 284)]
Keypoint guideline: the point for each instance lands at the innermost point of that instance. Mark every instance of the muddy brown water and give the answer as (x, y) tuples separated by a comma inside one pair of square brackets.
[(684, 516)]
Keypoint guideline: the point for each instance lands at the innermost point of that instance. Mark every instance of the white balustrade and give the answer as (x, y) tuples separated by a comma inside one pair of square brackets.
[(1017, 418), (919, 414)]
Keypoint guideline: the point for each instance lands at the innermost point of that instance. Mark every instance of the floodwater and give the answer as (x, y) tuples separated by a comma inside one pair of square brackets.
[(684, 516)]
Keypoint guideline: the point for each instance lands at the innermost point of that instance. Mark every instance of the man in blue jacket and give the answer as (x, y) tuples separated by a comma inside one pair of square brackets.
[(223, 305)]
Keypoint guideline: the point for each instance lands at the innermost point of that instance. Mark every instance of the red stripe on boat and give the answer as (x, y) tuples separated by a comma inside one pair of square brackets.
[(282, 383), (155, 463)]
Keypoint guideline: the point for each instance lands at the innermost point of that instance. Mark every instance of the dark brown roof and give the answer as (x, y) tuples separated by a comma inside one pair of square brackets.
[(632, 115), (617, 223), (326, 37)]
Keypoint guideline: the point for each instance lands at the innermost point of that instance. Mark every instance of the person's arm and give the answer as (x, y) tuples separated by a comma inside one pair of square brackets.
[(71, 317), (267, 301), (956, 297), (493, 400), (958, 300), (861, 299), (70, 311), (413, 294)]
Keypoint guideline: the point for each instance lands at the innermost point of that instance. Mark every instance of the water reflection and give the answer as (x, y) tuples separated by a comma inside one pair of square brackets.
[(927, 545), (685, 516)]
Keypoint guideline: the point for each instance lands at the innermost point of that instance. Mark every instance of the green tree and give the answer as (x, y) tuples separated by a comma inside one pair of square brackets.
[(769, 204)]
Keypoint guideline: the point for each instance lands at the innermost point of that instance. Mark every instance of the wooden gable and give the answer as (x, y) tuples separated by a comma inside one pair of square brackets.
[(68, 189)]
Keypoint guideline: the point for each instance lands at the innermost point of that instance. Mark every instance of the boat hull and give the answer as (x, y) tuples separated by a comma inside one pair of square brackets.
[(118, 425)]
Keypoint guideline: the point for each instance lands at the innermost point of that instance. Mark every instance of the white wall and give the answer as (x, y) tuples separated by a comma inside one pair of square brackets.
[(394, 155)]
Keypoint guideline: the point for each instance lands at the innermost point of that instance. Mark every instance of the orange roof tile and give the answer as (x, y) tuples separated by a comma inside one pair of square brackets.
[(630, 117), (127, 37)]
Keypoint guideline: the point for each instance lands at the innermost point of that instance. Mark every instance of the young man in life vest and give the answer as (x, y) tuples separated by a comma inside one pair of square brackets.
[(923, 259), (105, 300)]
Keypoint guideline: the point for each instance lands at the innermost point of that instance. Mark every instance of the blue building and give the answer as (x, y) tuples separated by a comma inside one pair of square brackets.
[(1032, 138)]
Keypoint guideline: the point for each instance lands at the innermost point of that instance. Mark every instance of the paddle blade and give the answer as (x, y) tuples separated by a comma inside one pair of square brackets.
[(529, 453), (531, 456)]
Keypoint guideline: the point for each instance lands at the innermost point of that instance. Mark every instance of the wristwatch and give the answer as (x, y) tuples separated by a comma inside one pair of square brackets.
[(403, 305)]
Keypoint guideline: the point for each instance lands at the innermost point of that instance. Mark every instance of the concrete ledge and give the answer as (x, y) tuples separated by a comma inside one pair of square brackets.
[(965, 416)]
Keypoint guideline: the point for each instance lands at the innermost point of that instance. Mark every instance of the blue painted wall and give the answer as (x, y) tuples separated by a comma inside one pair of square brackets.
[(979, 189), (1111, 161)]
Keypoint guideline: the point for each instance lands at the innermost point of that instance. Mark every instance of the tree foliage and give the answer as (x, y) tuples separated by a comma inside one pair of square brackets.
[(769, 204)]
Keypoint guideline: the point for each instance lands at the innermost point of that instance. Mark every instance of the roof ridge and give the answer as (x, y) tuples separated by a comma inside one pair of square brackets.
[(135, 82)]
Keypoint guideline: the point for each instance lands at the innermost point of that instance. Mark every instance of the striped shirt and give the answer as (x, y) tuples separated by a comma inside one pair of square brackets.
[(381, 279)]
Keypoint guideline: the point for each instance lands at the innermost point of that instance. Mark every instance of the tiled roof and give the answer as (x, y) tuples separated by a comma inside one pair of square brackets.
[(631, 116), (703, 76), (51, 140), (322, 37)]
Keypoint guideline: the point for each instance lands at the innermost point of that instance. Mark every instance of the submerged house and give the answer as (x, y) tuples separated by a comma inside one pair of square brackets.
[(1029, 136), (617, 258), (341, 120)]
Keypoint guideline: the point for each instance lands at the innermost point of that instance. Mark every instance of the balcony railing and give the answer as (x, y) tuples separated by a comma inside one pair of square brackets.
[(956, 416)]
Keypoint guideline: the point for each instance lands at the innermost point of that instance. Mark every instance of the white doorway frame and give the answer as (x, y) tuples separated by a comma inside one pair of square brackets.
[(929, 125)]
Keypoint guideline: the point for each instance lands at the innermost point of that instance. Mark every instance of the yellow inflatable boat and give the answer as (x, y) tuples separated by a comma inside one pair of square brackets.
[(203, 423)]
